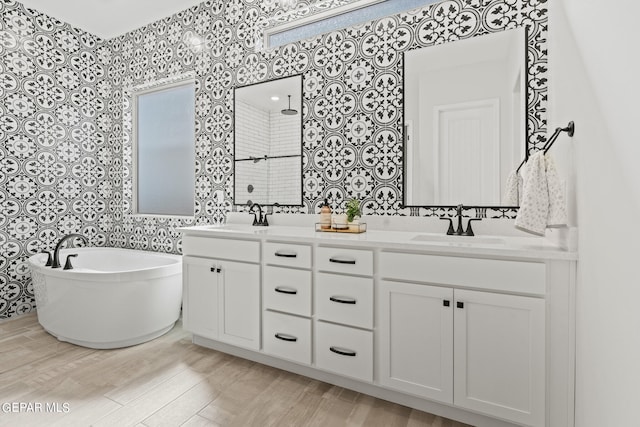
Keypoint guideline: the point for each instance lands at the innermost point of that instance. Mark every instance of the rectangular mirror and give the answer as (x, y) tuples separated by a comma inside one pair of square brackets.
[(465, 118), (268, 142)]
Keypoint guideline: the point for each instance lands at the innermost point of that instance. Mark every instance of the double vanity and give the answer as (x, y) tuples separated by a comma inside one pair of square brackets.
[(478, 329)]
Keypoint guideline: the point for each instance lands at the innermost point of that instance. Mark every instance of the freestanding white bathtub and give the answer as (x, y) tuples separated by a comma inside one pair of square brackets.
[(111, 298)]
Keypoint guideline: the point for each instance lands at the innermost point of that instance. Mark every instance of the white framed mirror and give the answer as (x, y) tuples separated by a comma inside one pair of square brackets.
[(465, 119), (268, 142)]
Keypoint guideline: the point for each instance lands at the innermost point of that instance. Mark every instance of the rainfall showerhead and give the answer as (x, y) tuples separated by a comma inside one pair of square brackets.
[(289, 111)]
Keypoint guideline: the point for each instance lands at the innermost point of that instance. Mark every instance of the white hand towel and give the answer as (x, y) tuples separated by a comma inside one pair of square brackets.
[(513, 189), (534, 207), (543, 203), (557, 205)]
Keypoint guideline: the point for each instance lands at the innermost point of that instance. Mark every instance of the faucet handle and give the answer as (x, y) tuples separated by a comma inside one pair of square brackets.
[(450, 231), (469, 231), (49, 259), (67, 264)]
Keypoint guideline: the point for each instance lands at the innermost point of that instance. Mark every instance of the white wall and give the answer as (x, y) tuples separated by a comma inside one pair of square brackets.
[(593, 62)]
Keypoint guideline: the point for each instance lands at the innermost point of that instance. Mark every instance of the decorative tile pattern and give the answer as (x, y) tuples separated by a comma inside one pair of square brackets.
[(54, 155), (65, 148)]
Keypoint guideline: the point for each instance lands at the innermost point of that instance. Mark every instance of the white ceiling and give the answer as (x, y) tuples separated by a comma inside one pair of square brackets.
[(109, 18)]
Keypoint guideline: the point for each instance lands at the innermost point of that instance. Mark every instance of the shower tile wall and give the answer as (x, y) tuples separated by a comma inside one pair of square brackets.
[(63, 140), (284, 134), (252, 134)]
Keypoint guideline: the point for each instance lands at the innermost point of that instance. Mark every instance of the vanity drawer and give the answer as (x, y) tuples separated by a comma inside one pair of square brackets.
[(286, 289), (344, 350), (342, 260), (344, 299), (287, 254), (236, 250), (287, 336), (500, 275)]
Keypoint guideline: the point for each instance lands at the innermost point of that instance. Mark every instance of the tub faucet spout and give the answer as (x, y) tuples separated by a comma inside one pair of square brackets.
[(56, 252)]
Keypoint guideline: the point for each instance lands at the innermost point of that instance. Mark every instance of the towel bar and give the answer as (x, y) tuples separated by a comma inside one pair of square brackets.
[(570, 129)]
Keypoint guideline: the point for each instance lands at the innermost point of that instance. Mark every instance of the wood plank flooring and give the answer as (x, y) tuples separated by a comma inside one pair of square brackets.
[(169, 382)]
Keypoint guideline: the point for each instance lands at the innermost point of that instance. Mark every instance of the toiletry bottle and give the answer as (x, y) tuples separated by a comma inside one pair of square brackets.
[(325, 216)]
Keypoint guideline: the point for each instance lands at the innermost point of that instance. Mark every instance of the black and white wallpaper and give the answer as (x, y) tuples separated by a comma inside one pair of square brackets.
[(66, 152)]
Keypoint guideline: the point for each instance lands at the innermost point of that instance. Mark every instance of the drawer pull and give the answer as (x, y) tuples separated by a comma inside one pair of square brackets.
[(343, 261), (286, 254), (285, 337), (287, 291), (216, 269), (343, 351), (343, 300)]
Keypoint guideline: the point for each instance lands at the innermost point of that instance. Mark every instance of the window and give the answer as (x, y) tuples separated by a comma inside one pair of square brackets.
[(333, 18), (164, 149)]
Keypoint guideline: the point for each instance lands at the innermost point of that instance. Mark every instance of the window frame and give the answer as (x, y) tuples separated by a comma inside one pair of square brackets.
[(157, 86), (295, 22)]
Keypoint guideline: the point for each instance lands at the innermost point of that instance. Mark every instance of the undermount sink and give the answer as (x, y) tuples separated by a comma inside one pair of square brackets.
[(465, 240)]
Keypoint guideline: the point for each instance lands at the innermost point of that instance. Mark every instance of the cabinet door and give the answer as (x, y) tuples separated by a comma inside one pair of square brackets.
[(416, 339), (239, 316), (200, 297), (499, 360)]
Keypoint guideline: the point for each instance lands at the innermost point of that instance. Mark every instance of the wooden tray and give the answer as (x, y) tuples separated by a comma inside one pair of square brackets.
[(351, 228)]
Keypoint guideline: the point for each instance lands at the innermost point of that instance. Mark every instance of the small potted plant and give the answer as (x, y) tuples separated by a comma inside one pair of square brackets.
[(353, 214)]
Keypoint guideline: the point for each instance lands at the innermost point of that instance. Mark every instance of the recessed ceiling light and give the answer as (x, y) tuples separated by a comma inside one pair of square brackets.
[(275, 98)]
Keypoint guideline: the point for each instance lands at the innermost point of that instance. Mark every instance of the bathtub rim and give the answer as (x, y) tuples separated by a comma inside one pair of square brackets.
[(37, 263)]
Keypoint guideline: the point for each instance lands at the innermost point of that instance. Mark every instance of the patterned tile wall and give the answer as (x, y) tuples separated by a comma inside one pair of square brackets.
[(66, 154), (56, 158)]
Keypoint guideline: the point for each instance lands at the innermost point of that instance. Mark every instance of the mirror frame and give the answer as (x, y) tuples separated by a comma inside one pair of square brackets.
[(301, 155), (404, 134)]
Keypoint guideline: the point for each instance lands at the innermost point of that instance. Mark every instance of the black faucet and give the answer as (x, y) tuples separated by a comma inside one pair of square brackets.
[(259, 219), (68, 265), (56, 252), (460, 231)]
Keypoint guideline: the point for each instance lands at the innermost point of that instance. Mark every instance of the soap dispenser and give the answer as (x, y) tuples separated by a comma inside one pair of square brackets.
[(325, 216)]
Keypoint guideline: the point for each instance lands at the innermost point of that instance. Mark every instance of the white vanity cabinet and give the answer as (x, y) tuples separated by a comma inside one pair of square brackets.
[(479, 350), (286, 297), (221, 297), (499, 357), (484, 335), (344, 311), (416, 339)]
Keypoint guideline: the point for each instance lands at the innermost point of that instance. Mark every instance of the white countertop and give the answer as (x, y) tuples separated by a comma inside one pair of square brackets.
[(503, 246)]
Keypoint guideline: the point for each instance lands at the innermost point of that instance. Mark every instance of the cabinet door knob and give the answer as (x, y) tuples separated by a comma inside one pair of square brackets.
[(446, 303), (284, 290), (285, 337), (460, 304), (343, 351), (343, 300)]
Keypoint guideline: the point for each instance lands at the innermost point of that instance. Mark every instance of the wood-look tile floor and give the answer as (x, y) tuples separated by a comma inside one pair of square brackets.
[(169, 382)]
